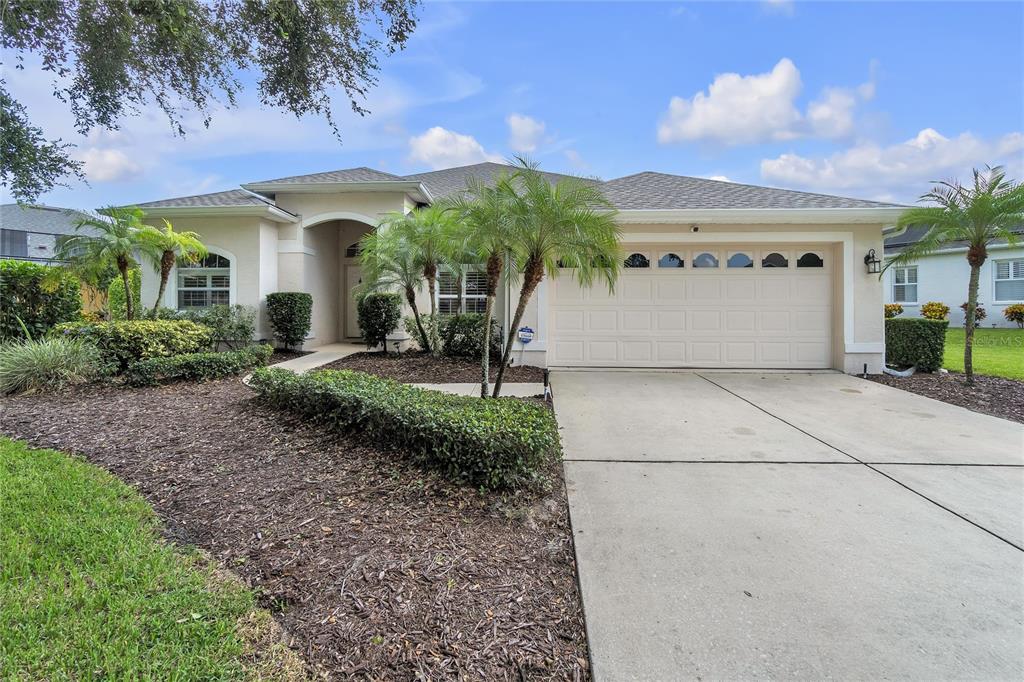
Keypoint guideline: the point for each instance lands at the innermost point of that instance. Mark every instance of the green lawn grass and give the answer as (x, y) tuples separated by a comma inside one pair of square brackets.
[(996, 352), (88, 590)]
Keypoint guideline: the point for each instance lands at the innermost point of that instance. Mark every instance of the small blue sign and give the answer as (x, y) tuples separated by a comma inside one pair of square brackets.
[(525, 335)]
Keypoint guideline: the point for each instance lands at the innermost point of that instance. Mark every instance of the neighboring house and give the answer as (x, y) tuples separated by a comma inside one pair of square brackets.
[(717, 274), (33, 232), (944, 277)]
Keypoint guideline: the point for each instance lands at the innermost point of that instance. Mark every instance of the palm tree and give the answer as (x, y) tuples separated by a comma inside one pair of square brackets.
[(118, 236), (166, 248), (484, 213), (976, 215), (388, 262), (568, 224), (431, 234)]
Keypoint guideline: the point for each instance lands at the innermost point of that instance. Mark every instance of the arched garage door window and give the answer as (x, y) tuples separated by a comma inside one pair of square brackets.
[(206, 283)]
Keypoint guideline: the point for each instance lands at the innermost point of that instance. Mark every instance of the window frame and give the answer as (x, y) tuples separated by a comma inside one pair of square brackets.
[(769, 252), (996, 279), (182, 271), (820, 255), (916, 284), (643, 254)]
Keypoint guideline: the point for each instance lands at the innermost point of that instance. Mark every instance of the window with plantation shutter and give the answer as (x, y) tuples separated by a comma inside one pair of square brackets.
[(474, 293), (1009, 276), (205, 283), (904, 284)]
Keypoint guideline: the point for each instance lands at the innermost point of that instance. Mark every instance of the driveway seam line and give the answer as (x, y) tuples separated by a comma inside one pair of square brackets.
[(869, 466), (789, 461)]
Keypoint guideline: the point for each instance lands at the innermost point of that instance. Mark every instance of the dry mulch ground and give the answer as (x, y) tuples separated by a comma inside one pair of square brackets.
[(422, 368), (375, 569), (996, 396)]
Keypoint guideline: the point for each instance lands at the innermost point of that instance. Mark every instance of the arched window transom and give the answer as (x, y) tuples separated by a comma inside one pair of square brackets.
[(740, 260), (810, 260), (774, 260), (670, 260), (353, 251), (637, 260), (204, 284), (705, 260)]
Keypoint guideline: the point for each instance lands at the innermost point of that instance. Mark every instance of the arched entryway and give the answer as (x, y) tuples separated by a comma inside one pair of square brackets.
[(331, 274)]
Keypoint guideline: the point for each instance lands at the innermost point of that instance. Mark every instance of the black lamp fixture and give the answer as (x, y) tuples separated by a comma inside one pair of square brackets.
[(874, 265)]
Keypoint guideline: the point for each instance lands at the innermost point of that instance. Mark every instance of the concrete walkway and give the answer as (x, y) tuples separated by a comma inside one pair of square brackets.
[(749, 525), (321, 355)]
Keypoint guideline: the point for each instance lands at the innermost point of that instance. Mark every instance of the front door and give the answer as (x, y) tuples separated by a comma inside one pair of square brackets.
[(353, 278)]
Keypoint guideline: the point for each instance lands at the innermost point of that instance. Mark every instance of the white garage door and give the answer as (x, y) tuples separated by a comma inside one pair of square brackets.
[(765, 307)]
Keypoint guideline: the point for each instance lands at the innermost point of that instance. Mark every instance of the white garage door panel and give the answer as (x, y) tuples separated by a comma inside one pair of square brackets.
[(686, 317)]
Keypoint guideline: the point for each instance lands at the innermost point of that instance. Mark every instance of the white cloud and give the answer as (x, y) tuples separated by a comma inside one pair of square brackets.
[(761, 108), (442, 148), (108, 165), (903, 170), (737, 109), (720, 178), (525, 133)]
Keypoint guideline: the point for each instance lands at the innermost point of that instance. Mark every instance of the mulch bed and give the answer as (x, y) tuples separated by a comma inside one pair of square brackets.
[(375, 569), (284, 355), (422, 368), (996, 396)]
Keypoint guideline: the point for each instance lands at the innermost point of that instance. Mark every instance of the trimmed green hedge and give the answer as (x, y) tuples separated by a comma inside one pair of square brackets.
[(291, 315), (197, 366), (379, 315), (489, 443), (915, 341), (38, 295), (127, 341)]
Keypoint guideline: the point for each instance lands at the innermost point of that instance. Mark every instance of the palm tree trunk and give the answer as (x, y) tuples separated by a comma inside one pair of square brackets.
[(129, 304), (494, 265), (972, 305), (166, 263), (430, 272), (533, 273), (410, 296), (458, 295)]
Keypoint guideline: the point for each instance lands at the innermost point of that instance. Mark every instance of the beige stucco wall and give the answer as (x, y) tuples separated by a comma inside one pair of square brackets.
[(246, 241)]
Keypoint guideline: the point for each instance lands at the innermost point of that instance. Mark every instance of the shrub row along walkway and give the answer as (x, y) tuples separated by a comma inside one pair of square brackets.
[(374, 567)]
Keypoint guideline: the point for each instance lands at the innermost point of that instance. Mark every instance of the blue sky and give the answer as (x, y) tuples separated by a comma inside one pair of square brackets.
[(865, 99)]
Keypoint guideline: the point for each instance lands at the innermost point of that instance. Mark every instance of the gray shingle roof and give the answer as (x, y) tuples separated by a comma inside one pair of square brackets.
[(652, 191), (642, 191), (232, 197), (913, 233), (360, 174), (44, 219), (449, 181)]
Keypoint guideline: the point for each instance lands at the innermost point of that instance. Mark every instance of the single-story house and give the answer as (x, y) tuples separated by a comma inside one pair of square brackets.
[(944, 275), (718, 274), (33, 233)]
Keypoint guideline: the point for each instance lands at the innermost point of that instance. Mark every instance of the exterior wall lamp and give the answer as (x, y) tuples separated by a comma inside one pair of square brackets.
[(874, 265)]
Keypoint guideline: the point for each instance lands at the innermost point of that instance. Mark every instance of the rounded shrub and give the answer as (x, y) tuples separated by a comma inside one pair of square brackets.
[(37, 295), (934, 310), (1015, 313), (893, 310), (379, 315), (123, 342), (462, 336), (291, 315)]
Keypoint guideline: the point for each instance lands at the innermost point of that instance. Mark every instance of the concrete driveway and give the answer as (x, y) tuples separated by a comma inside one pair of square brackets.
[(757, 525)]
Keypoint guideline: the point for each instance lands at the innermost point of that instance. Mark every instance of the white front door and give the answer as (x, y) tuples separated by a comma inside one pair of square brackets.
[(758, 306), (353, 278)]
